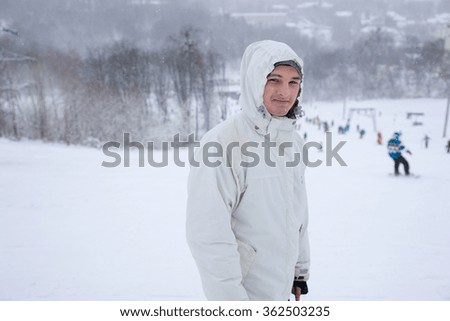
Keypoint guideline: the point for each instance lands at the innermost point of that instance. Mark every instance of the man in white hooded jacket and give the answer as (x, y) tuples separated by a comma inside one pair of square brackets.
[(247, 213)]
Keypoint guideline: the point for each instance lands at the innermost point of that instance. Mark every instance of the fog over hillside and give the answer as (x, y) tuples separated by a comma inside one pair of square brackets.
[(78, 24), (152, 67)]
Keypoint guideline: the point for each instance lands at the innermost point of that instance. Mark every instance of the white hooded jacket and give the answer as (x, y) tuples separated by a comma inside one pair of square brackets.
[(247, 225)]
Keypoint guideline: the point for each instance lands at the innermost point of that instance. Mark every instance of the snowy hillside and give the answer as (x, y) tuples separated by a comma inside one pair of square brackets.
[(71, 229)]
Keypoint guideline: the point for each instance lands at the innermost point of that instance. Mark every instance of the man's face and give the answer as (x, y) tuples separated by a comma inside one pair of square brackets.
[(281, 90)]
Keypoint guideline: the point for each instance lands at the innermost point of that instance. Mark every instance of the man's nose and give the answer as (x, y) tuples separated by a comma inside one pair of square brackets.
[(283, 90)]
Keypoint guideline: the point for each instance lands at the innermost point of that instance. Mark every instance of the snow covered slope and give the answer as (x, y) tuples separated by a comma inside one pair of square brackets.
[(71, 229)]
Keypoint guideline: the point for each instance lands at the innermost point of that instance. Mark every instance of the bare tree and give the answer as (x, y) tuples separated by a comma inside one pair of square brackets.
[(194, 70), (159, 73), (184, 61), (13, 78), (211, 69)]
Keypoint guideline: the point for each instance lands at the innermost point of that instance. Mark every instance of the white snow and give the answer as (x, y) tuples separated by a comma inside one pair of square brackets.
[(375, 236), (343, 14), (310, 29), (395, 16), (74, 230), (310, 4), (280, 7), (441, 19), (307, 5)]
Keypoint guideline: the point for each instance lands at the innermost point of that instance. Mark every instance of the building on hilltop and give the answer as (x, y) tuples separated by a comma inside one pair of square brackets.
[(262, 19)]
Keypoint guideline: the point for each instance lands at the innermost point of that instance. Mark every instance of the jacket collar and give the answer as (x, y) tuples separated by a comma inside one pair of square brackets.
[(264, 123)]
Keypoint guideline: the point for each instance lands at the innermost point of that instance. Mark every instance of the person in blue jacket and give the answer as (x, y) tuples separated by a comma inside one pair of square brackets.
[(395, 148)]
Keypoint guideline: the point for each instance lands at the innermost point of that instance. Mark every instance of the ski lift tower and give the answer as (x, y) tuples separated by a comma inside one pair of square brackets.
[(415, 118), (370, 112), (445, 72), (447, 38)]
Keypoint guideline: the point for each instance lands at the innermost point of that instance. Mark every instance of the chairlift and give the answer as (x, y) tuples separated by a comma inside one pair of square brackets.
[(414, 117), (369, 112)]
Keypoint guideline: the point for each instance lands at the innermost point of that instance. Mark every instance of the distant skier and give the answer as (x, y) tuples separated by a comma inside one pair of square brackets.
[(347, 128), (362, 132), (379, 139), (395, 148), (426, 139), (448, 146)]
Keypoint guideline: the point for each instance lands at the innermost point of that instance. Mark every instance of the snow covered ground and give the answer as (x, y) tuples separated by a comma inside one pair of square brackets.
[(71, 229)]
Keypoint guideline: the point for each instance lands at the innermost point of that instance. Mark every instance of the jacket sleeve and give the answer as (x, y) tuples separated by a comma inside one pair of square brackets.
[(303, 262), (213, 192)]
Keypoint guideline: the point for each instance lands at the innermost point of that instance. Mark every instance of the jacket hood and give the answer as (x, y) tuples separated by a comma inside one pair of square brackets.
[(258, 61)]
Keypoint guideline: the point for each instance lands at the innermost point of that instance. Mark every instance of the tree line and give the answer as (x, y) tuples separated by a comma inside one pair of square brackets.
[(62, 96), (373, 66), (88, 99)]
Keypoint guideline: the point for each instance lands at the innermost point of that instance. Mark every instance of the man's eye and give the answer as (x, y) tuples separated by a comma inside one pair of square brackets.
[(294, 83), (272, 80)]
